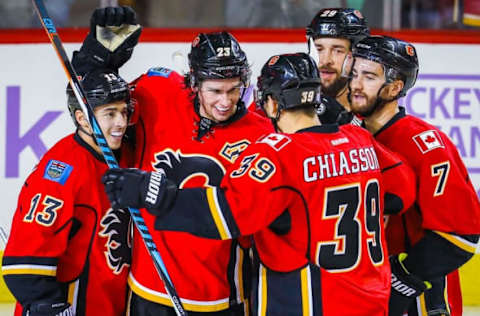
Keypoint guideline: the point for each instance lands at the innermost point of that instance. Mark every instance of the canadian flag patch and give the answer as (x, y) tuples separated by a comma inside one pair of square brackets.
[(428, 140), (277, 141)]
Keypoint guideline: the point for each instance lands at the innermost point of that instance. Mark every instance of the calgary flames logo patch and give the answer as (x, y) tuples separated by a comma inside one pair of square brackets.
[(410, 50), (117, 229), (195, 42), (197, 169), (273, 60)]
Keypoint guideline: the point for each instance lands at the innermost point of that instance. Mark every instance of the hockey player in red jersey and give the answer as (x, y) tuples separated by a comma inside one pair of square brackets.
[(440, 232), (192, 129), (331, 35), (69, 251), (311, 195)]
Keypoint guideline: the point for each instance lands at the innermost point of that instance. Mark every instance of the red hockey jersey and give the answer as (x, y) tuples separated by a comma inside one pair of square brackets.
[(446, 200), (207, 274), (311, 199), (66, 243)]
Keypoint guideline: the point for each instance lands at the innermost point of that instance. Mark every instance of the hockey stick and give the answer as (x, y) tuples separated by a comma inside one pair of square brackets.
[(3, 236), (107, 152)]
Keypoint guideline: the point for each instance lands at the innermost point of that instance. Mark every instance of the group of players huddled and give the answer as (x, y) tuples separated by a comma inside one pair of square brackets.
[(327, 199)]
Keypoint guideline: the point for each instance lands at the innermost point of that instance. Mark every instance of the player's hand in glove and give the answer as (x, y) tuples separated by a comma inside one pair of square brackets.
[(114, 33), (50, 309), (405, 286), (134, 188)]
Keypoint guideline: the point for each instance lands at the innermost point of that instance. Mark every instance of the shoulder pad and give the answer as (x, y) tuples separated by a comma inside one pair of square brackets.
[(276, 141), (428, 140), (57, 171), (159, 71)]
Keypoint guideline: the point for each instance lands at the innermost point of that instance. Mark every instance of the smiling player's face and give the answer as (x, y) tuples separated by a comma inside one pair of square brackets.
[(219, 97)]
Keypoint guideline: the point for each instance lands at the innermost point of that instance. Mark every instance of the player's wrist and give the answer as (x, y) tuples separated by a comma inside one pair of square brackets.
[(405, 286), (50, 309)]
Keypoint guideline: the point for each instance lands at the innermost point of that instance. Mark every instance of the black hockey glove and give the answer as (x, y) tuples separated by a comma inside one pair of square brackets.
[(135, 188), (405, 286), (50, 309), (114, 33)]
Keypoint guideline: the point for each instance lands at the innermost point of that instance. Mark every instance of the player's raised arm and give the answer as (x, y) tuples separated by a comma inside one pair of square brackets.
[(114, 32)]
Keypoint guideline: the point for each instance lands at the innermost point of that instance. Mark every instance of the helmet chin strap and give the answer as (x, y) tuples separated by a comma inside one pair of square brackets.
[(342, 91), (380, 102), (81, 129)]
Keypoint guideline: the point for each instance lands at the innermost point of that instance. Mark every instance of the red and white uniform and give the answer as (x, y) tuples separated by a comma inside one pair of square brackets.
[(311, 199), (446, 200), (207, 274), (66, 243)]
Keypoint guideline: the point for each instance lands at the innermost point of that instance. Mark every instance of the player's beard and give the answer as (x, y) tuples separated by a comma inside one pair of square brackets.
[(335, 87), (364, 110)]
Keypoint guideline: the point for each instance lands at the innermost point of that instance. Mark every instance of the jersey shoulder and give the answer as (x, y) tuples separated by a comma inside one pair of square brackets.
[(63, 164), (160, 78), (274, 141), (160, 92), (354, 133), (354, 129), (424, 137), (257, 121)]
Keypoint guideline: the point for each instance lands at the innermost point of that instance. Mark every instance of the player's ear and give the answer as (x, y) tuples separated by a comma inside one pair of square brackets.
[(395, 88), (271, 106), (82, 120)]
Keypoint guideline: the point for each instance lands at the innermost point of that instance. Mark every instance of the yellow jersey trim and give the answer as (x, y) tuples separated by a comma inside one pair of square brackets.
[(29, 269), (189, 305), (217, 214), (306, 291), (459, 242)]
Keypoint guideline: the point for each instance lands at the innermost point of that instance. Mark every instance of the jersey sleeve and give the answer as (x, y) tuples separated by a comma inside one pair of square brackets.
[(39, 234), (446, 196), (248, 200), (449, 207), (399, 180)]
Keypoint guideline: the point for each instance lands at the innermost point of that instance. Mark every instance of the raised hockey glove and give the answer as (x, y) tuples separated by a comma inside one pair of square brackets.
[(405, 286), (114, 33), (135, 188), (50, 309)]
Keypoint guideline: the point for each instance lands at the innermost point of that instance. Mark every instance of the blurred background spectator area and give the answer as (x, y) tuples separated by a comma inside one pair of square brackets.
[(381, 14)]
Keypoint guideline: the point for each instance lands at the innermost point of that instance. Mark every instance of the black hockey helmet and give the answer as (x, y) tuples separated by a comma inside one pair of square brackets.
[(398, 57), (101, 86), (338, 22), (292, 79), (217, 55)]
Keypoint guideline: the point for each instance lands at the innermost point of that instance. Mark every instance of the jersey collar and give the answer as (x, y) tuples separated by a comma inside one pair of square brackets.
[(325, 129), (401, 114), (95, 154)]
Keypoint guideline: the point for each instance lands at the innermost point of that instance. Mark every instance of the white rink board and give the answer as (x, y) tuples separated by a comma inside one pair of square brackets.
[(32, 94)]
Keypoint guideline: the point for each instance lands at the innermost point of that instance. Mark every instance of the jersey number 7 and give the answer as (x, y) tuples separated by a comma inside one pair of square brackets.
[(441, 171)]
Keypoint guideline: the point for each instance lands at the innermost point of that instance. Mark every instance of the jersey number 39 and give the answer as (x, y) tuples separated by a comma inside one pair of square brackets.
[(343, 204)]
